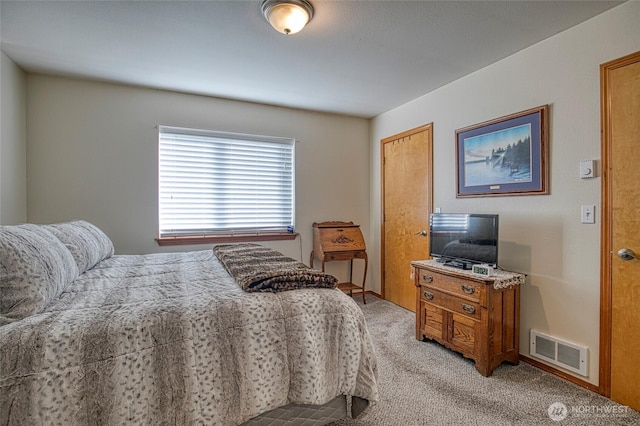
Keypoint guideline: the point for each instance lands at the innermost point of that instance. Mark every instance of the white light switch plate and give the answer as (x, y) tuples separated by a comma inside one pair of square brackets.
[(587, 214)]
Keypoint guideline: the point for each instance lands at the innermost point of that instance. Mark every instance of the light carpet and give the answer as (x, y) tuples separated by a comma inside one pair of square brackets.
[(423, 383)]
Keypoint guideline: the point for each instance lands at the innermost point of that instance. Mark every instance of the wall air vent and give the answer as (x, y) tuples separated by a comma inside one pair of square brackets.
[(558, 352)]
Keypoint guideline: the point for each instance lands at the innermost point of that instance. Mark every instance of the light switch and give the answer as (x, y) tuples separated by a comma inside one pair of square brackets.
[(587, 169), (587, 214)]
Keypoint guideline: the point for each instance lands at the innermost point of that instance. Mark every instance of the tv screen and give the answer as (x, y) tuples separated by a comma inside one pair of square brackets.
[(464, 239)]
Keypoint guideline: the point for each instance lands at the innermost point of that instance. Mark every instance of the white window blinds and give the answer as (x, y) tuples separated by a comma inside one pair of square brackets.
[(216, 183)]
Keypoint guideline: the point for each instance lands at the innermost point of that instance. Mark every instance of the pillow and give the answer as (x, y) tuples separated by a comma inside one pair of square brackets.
[(35, 268), (86, 242)]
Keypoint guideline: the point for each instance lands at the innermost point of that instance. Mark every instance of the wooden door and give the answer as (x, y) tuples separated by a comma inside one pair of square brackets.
[(620, 280), (407, 187)]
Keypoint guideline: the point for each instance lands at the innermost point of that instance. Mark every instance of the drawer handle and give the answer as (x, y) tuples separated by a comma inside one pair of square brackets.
[(427, 278), (468, 289), (468, 308), (428, 295)]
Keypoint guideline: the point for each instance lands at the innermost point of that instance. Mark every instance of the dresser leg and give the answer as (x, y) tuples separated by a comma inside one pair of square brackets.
[(484, 369)]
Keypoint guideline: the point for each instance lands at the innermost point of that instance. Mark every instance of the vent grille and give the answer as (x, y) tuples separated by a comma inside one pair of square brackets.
[(559, 352)]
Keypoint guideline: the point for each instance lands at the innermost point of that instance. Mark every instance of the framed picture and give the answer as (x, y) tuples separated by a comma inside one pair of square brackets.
[(505, 156)]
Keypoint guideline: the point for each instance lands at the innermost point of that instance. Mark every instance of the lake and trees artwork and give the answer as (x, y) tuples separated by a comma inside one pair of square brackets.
[(504, 156), (498, 158)]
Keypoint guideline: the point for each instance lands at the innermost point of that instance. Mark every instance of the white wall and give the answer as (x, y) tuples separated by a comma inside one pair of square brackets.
[(539, 235), (92, 154), (13, 130)]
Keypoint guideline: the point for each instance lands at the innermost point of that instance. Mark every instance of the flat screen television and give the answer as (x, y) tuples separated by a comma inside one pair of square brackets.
[(464, 239)]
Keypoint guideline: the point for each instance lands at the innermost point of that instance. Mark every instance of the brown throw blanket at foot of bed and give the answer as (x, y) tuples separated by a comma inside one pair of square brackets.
[(260, 268)]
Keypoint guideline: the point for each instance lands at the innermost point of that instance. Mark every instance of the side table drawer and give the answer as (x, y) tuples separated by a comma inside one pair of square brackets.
[(345, 255)]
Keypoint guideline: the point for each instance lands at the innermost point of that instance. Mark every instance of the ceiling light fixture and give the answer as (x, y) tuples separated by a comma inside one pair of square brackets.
[(287, 16)]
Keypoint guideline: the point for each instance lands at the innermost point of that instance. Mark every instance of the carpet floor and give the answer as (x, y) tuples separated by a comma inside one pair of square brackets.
[(423, 383)]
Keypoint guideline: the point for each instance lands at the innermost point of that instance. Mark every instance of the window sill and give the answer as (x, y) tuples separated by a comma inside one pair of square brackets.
[(215, 239)]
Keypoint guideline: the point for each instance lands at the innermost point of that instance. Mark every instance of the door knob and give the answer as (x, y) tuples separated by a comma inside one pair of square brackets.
[(626, 254), (423, 233)]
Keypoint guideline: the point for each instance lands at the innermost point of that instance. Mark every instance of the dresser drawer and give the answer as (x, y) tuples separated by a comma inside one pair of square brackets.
[(468, 289), (450, 302)]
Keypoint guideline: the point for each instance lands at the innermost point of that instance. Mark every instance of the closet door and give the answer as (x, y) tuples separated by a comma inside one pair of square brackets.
[(407, 187)]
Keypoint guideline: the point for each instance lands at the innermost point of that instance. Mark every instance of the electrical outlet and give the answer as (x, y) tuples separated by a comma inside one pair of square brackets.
[(587, 214)]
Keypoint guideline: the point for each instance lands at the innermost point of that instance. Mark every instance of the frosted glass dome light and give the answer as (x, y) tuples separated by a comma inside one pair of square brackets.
[(287, 16)]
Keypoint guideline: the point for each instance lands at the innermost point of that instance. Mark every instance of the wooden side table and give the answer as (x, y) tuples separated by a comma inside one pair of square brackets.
[(476, 316), (340, 241)]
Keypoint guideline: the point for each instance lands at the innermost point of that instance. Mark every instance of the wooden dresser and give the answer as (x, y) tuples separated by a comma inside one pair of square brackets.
[(340, 241), (476, 316)]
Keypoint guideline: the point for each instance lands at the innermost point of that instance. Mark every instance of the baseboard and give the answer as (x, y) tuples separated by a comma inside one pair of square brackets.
[(561, 374)]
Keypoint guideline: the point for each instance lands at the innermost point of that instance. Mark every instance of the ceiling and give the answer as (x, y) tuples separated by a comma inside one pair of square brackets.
[(358, 58)]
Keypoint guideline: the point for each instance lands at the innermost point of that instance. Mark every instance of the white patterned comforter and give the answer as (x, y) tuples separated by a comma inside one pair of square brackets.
[(172, 339)]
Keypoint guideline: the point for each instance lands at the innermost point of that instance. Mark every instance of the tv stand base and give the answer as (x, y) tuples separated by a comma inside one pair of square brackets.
[(456, 263)]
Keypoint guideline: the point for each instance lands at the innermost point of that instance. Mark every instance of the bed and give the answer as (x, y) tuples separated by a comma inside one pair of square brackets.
[(90, 337)]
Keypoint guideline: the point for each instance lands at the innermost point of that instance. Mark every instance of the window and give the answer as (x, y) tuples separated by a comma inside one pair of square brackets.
[(216, 184)]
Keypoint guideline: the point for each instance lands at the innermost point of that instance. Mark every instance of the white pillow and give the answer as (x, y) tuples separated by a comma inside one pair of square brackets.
[(86, 242), (35, 268)]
